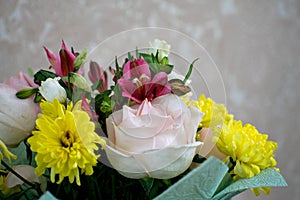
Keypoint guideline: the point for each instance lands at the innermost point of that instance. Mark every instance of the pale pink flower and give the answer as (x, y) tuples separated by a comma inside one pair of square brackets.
[(155, 139), (17, 116)]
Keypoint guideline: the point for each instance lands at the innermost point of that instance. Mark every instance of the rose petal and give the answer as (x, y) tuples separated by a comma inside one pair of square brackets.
[(17, 116), (154, 138), (161, 164)]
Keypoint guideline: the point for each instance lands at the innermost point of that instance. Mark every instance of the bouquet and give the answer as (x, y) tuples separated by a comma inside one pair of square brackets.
[(133, 131)]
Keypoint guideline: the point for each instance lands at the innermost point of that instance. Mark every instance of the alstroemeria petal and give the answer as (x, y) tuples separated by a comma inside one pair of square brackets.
[(51, 56), (136, 69)]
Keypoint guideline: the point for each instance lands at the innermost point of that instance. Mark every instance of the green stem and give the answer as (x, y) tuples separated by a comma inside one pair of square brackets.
[(69, 85)]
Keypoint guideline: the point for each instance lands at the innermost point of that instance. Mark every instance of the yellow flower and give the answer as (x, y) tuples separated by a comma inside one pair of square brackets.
[(65, 142), (214, 114), (249, 150)]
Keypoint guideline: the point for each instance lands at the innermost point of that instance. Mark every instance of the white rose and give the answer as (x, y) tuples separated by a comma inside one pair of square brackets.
[(162, 46), (155, 139), (51, 89)]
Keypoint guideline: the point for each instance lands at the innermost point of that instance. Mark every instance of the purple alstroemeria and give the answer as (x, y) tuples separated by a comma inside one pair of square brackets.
[(136, 82), (63, 63), (96, 73)]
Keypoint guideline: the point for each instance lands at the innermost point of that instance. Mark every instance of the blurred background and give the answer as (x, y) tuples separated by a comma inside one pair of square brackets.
[(255, 44)]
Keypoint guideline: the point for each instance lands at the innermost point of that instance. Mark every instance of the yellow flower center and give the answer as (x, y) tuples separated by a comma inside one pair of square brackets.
[(67, 139)]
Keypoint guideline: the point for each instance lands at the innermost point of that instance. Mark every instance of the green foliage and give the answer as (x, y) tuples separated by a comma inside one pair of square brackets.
[(187, 76), (157, 66), (27, 92), (79, 60)]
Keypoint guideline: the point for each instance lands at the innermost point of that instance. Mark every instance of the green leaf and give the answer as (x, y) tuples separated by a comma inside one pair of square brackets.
[(166, 68), (47, 196), (164, 61), (211, 181), (96, 85), (42, 75), (266, 178), (27, 92), (80, 59), (38, 97), (130, 57), (187, 76), (148, 59), (147, 184), (200, 183)]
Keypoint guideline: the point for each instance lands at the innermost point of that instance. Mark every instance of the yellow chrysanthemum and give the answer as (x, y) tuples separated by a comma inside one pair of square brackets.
[(214, 115), (65, 142), (249, 150)]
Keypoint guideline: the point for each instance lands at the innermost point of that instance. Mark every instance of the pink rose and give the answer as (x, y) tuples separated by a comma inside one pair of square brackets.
[(155, 139), (17, 116)]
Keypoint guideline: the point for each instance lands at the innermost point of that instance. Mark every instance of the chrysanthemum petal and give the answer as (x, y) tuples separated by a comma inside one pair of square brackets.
[(64, 141)]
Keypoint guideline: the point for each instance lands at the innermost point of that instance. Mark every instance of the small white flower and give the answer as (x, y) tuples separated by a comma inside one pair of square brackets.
[(51, 89), (162, 46)]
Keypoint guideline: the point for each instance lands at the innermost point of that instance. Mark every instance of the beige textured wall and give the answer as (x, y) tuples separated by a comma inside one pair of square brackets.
[(255, 45)]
